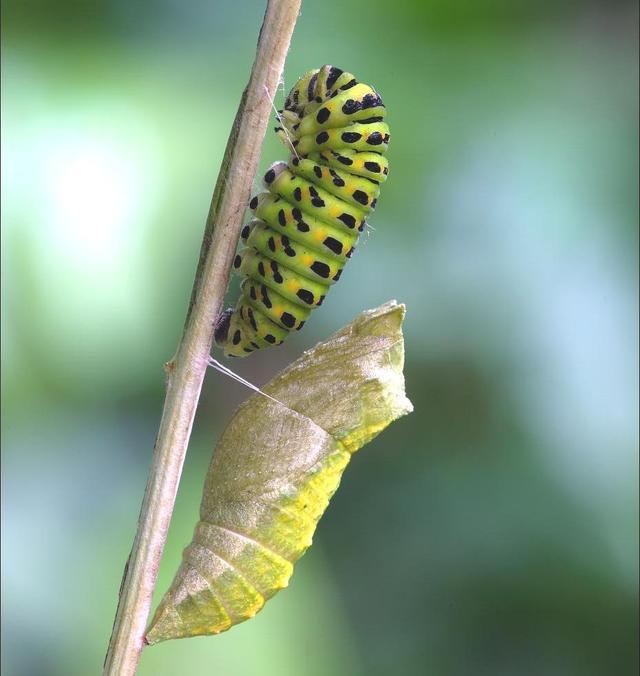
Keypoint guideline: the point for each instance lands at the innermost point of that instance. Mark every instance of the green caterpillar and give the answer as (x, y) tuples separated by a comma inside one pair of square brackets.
[(306, 226)]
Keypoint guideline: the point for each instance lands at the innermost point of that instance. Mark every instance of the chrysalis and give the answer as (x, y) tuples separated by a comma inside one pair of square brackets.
[(306, 226), (274, 470)]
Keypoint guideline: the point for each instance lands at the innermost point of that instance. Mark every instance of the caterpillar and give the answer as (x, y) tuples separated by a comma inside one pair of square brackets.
[(306, 225), (275, 469)]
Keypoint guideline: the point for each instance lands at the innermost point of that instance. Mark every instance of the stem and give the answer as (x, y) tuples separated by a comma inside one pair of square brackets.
[(185, 372)]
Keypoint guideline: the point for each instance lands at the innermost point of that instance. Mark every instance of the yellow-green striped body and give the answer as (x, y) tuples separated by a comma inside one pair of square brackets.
[(307, 224)]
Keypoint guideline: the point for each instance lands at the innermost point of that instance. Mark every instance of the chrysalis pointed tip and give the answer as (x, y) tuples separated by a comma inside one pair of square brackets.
[(166, 624)]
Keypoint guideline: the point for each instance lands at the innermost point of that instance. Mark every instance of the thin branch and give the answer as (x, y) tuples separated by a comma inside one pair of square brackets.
[(185, 372)]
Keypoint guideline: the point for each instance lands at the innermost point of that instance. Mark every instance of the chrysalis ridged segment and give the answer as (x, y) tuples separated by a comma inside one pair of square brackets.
[(307, 224)]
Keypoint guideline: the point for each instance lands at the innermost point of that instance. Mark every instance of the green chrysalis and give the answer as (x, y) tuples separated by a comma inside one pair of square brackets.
[(274, 470)]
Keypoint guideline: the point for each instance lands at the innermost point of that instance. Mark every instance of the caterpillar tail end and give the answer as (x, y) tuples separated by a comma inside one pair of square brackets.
[(242, 330), (222, 331)]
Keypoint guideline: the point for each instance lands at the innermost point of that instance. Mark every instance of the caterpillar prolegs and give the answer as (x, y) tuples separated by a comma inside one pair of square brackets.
[(306, 226)]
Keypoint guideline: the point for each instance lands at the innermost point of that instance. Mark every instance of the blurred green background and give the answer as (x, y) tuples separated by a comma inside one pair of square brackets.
[(494, 531)]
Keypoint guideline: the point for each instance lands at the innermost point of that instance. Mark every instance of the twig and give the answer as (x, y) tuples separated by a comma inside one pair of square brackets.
[(185, 372)]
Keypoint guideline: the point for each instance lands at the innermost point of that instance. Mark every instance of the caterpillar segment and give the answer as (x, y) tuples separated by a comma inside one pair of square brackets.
[(307, 222)]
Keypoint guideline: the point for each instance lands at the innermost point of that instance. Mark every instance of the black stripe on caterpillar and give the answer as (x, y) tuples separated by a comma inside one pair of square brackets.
[(307, 225)]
